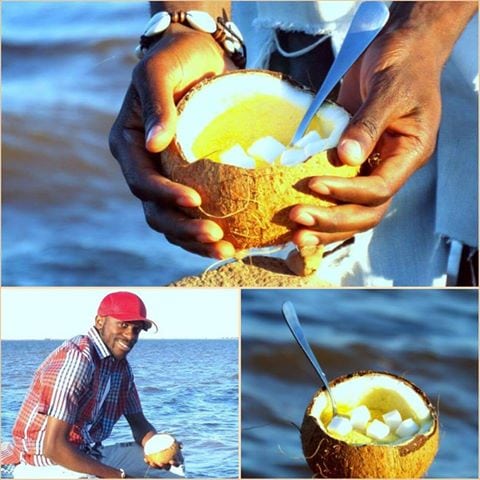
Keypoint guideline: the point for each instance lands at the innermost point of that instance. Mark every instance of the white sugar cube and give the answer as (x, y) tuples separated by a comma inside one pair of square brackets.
[(340, 425), (377, 430), (310, 137), (359, 417), (237, 157), (293, 156), (393, 419), (407, 428), (315, 147), (266, 148)]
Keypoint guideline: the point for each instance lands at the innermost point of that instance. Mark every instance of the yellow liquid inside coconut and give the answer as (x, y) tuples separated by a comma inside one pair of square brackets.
[(379, 401), (251, 119)]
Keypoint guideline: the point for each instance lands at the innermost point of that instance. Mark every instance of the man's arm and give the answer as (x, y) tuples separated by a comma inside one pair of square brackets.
[(142, 429), (58, 449)]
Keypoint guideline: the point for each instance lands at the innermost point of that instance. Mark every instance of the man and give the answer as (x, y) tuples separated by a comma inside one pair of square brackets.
[(77, 395), (407, 214)]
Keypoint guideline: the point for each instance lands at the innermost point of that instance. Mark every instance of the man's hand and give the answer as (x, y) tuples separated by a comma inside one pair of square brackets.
[(394, 93), (146, 125)]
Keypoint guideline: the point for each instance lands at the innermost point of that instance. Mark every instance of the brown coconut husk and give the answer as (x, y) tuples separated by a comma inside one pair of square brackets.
[(250, 205), (329, 457), (258, 271)]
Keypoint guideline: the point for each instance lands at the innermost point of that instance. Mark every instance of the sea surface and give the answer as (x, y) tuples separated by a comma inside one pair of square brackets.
[(429, 337), (68, 215), (187, 387)]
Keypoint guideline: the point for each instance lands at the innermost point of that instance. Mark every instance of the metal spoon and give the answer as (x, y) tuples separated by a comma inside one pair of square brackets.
[(367, 22), (290, 316)]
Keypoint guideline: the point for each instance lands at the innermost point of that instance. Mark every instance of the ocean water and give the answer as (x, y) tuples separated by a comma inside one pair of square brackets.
[(68, 215), (187, 387), (429, 337)]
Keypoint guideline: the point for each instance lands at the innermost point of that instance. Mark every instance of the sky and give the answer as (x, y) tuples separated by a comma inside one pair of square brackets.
[(63, 312)]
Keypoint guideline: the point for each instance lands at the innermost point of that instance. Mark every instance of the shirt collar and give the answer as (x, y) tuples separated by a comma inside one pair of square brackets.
[(101, 348)]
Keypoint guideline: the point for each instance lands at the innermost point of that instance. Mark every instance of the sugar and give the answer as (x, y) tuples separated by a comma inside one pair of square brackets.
[(359, 417), (407, 428), (293, 156), (377, 430), (266, 148), (314, 148), (393, 419), (237, 157), (310, 137), (340, 425)]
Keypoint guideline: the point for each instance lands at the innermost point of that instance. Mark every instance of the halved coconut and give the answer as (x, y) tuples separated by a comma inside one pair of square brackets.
[(231, 113), (361, 454), (161, 448)]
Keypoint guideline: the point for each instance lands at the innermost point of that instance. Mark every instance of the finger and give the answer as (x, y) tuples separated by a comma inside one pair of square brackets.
[(178, 225), (341, 218), (221, 250), (364, 130), (370, 191), (141, 171), (398, 161), (155, 79), (146, 183), (304, 238)]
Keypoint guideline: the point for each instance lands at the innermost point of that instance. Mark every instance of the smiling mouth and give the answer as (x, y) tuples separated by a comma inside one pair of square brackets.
[(124, 346)]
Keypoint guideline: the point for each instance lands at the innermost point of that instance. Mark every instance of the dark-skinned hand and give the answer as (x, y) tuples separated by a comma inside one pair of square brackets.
[(146, 125)]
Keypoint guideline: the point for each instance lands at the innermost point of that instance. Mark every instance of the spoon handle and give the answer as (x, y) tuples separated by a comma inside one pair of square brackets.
[(367, 22), (290, 316)]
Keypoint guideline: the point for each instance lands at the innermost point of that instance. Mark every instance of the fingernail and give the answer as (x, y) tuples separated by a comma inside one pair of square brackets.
[(188, 201), (309, 239), (353, 151), (208, 238), (304, 219), (152, 142), (214, 234), (319, 187), (153, 132), (225, 254)]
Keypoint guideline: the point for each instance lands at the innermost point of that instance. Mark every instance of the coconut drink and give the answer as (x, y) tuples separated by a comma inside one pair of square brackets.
[(232, 147), (161, 448), (384, 427)]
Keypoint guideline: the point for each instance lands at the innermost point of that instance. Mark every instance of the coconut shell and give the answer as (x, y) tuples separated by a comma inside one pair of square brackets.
[(250, 205), (329, 457), (164, 456)]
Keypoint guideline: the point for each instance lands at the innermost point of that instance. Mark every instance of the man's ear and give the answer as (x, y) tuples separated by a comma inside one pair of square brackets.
[(99, 321)]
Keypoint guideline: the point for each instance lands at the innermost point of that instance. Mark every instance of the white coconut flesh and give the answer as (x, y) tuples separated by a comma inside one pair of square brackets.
[(373, 409), (158, 443), (260, 137)]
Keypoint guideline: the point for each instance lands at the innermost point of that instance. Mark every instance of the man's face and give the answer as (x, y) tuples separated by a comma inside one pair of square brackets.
[(120, 337)]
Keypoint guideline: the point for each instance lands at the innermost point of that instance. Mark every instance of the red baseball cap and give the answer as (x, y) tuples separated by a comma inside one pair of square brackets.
[(126, 307)]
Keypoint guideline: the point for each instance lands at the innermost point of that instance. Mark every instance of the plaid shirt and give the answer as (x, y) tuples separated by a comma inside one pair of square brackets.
[(80, 383)]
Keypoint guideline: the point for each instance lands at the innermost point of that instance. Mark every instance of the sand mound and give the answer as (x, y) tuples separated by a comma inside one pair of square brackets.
[(257, 271)]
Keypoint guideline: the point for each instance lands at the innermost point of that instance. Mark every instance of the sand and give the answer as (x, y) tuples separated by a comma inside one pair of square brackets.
[(257, 271)]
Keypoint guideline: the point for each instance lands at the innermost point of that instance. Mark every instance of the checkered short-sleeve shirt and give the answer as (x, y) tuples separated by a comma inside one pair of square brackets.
[(80, 383)]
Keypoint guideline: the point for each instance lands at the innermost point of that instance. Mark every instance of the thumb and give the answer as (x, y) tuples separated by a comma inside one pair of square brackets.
[(156, 93), (363, 132), (160, 119)]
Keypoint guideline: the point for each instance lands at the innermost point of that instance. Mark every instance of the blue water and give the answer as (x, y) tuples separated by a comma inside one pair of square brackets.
[(429, 337), (68, 215), (187, 387)]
